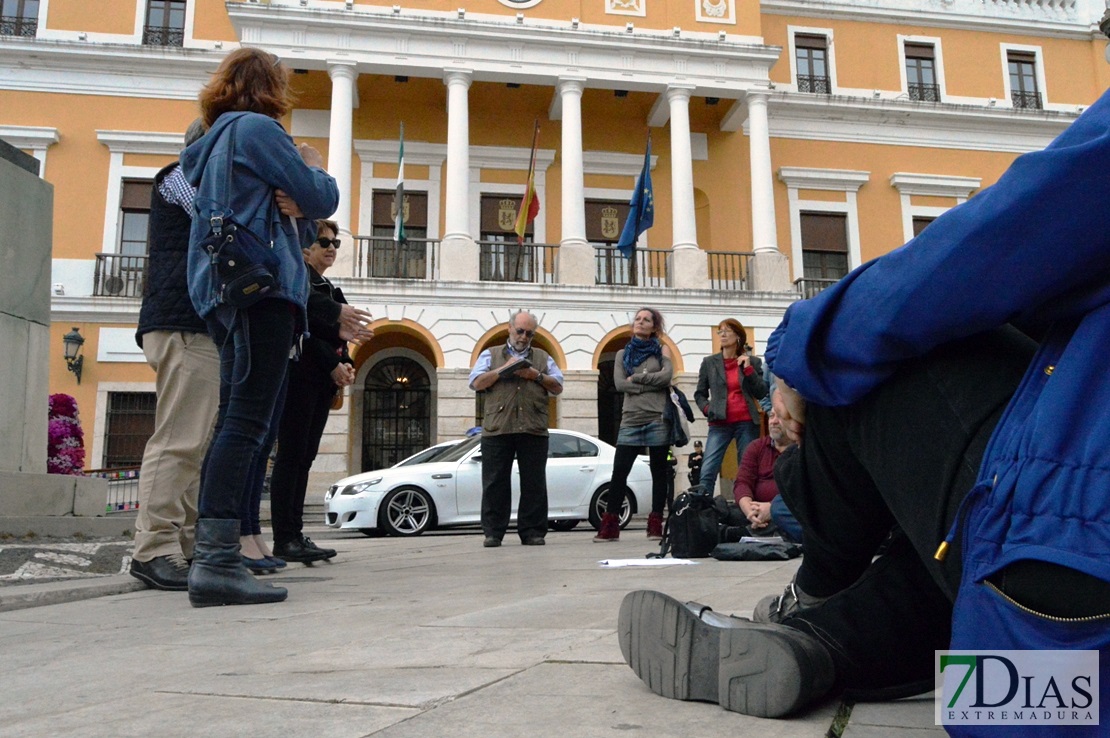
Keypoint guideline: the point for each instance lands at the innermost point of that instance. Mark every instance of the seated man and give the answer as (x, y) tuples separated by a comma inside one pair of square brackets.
[(755, 490), (917, 401)]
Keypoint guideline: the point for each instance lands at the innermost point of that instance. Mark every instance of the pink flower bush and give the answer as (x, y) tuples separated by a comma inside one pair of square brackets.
[(65, 452)]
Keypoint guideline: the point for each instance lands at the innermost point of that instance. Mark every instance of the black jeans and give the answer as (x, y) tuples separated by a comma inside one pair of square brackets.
[(252, 371), (661, 477), (302, 424), (905, 455), (530, 453), (250, 522)]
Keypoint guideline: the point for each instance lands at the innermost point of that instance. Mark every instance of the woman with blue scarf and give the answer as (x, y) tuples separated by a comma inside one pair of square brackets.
[(642, 371)]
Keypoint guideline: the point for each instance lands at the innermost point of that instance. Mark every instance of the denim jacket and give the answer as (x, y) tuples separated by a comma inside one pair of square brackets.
[(265, 159)]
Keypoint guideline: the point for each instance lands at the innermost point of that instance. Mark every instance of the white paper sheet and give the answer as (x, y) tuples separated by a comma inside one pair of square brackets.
[(621, 563)]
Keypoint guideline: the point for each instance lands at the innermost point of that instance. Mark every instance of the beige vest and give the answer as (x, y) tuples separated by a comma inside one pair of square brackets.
[(512, 404)]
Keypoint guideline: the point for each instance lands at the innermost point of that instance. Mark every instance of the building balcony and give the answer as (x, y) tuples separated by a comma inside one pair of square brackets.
[(163, 36), (808, 287), (11, 25), (117, 275), (923, 92), (815, 84), (1026, 100)]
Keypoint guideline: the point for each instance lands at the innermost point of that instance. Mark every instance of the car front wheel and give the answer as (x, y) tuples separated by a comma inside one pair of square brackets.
[(407, 512), (599, 505)]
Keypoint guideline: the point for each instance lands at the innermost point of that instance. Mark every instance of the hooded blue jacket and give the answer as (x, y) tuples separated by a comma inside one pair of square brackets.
[(265, 159), (1034, 250)]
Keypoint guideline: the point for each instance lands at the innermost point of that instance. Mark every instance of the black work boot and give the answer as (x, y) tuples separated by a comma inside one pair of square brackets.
[(218, 576), (689, 652)]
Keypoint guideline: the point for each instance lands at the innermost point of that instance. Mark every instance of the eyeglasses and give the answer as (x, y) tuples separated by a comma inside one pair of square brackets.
[(325, 242), (524, 332), (726, 333)]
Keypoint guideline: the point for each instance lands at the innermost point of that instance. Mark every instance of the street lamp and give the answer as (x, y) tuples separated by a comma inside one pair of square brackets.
[(73, 342)]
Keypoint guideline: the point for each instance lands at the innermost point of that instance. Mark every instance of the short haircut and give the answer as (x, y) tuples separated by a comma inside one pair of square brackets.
[(656, 319), (734, 325), (325, 223), (530, 314), (249, 80)]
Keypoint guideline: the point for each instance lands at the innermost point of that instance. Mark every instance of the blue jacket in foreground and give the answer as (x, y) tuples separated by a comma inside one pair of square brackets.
[(265, 159), (1034, 250)]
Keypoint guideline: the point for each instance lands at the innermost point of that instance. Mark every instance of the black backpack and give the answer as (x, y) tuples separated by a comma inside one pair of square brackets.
[(692, 528)]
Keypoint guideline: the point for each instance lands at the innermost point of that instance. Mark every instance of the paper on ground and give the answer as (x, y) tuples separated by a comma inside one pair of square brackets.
[(619, 563)]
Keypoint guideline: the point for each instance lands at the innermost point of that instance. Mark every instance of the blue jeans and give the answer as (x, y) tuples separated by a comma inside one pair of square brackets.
[(252, 372), (717, 443), (789, 527)]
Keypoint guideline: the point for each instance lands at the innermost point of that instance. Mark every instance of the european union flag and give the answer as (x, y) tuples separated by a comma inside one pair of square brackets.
[(641, 213)]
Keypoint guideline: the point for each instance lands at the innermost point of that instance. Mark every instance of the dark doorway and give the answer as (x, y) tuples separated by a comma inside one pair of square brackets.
[(396, 421)]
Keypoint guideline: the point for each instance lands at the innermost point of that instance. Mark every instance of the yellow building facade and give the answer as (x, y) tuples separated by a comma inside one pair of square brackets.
[(792, 140)]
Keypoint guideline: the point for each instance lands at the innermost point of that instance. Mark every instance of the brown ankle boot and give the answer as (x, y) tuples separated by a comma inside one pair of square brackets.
[(610, 528), (655, 527)]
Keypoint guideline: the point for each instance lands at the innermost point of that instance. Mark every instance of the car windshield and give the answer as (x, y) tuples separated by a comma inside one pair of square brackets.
[(460, 450), (427, 455)]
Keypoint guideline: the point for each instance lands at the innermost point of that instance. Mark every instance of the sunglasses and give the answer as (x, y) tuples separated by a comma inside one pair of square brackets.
[(325, 242), (524, 332)]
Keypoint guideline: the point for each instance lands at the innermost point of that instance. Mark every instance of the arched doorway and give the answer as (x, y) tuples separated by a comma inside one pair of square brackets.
[(396, 412)]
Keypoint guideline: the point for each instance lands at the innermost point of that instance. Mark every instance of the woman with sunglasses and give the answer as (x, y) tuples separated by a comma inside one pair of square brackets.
[(324, 367), (642, 371), (237, 168)]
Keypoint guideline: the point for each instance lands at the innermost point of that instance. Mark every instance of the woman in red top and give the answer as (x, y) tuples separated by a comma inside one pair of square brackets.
[(730, 385)]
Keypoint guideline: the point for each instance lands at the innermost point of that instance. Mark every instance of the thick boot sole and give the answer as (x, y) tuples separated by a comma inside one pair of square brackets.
[(754, 669), (272, 594)]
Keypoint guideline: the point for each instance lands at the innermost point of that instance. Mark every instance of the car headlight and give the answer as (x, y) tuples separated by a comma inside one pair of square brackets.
[(354, 489)]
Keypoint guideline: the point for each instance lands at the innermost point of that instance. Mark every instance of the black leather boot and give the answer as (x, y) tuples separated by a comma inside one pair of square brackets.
[(218, 576)]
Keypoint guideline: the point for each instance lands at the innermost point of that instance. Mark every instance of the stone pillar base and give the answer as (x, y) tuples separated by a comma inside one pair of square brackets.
[(346, 257), (689, 269), (769, 271), (576, 263), (458, 259)]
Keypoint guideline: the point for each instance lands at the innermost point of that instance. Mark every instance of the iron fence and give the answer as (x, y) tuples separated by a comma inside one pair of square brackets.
[(13, 25), (808, 286), (1026, 100), (729, 270), (384, 258), (923, 92), (646, 267), (117, 275), (508, 261), (123, 487), (816, 84), (163, 36)]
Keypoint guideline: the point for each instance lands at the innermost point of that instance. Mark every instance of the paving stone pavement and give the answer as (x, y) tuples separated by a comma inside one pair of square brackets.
[(427, 636), (37, 560)]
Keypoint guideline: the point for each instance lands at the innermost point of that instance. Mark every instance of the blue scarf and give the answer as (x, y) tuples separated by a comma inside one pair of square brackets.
[(638, 350)]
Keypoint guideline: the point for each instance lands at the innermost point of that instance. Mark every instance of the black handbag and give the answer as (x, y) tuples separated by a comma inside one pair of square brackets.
[(245, 266), (692, 528)]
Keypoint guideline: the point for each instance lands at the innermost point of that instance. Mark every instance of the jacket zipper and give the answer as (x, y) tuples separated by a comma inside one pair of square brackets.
[(1054, 618)]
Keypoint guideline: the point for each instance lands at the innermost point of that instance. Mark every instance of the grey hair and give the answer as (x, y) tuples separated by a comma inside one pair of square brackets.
[(193, 133), (522, 311)]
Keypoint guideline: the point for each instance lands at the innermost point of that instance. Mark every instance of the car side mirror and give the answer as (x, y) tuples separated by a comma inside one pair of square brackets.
[(476, 459)]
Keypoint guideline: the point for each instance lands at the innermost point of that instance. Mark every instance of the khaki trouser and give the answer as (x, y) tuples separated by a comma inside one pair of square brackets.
[(188, 391)]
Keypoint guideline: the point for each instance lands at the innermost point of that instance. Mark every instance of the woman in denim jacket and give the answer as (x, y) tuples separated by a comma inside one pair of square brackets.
[(242, 106)]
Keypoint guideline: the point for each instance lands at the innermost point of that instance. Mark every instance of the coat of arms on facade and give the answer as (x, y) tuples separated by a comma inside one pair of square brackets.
[(404, 208), (506, 213), (716, 11), (626, 7), (610, 225)]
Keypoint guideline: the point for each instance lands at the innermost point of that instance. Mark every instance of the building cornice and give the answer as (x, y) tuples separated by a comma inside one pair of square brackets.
[(1075, 19), (934, 185), (808, 178), (907, 123), (496, 48)]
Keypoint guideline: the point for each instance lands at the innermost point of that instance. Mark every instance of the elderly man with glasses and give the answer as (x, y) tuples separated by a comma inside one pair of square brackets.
[(514, 425)]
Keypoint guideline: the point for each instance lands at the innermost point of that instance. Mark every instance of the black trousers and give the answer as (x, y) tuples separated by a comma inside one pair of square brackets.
[(307, 404), (902, 457), (530, 453), (662, 478)]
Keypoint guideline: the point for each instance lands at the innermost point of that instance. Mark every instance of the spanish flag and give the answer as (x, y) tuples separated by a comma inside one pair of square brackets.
[(529, 204)]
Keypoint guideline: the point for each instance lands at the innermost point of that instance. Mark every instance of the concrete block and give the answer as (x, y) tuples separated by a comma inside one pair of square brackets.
[(37, 494), (90, 495)]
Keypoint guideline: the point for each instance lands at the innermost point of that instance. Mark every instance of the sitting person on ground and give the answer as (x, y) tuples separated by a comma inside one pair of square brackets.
[(755, 490), (955, 387)]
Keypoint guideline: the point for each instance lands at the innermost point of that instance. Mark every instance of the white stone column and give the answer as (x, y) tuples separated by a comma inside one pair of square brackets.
[(769, 269), (340, 134), (576, 256), (458, 252), (689, 269)]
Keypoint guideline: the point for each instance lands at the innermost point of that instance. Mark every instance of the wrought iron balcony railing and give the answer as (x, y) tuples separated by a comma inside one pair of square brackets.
[(815, 84), (808, 286), (117, 275), (1026, 100), (509, 261), (383, 258), (729, 270), (646, 268), (13, 25), (923, 92), (163, 36)]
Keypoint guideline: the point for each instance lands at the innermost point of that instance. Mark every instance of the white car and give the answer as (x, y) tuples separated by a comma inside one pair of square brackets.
[(410, 499)]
